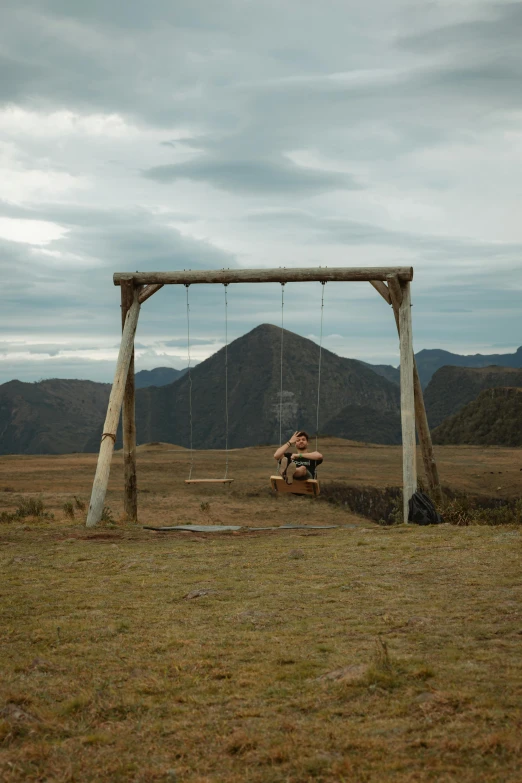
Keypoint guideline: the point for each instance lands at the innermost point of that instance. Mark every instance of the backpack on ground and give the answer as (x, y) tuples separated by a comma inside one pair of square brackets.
[(421, 510)]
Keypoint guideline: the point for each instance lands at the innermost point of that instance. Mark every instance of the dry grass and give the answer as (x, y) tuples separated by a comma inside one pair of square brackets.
[(355, 654)]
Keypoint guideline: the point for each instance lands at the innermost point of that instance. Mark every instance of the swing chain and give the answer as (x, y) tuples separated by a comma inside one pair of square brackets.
[(226, 380), (190, 384), (323, 283), (189, 361), (281, 361)]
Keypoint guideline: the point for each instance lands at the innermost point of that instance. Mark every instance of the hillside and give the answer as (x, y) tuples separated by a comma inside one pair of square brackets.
[(387, 371), (159, 376), (431, 360), (354, 422), (451, 388), (494, 418), (50, 417), (253, 385)]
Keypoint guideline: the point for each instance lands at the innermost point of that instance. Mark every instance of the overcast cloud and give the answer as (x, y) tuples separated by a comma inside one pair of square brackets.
[(193, 134)]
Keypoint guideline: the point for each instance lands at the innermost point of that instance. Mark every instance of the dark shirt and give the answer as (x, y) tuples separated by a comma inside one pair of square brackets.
[(309, 464)]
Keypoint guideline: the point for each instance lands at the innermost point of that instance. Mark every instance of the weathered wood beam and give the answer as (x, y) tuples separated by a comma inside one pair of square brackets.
[(382, 288), (101, 479), (147, 292), (396, 299), (395, 290), (130, 496), (409, 456), (297, 275), (421, 420)]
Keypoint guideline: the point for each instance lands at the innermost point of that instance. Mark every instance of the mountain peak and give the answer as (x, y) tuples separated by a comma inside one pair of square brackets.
[(255, 403), (268, 329)]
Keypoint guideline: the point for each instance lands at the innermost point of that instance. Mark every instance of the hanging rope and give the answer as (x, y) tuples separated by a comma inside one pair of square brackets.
[(226, 380), (190, 384), (281, 378), (323, 283)]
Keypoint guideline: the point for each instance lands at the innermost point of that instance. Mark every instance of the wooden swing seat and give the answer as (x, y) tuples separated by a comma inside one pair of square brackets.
[(209, 481), (307, 487)]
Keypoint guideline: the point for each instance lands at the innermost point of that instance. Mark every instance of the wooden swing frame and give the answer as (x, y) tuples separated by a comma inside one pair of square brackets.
[(392, 283)]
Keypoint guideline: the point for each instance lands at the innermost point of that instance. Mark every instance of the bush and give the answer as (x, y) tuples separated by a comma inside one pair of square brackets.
[(68, 509), (464, 510), (107, 515), (28, 507), (80, 504)]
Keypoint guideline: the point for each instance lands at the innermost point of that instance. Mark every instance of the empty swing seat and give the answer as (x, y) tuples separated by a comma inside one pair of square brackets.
[(209, 481), (307, 487)]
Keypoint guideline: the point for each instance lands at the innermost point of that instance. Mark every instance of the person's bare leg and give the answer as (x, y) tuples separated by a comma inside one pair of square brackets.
[(294, 472), (283, 465), (290, 471)]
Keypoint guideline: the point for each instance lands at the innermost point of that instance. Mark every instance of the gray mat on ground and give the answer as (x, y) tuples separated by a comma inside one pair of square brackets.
[(221, 528), (294, 527), (196, 528)]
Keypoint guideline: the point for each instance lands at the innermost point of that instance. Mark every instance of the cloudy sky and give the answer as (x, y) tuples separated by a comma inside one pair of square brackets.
[(191, 134)]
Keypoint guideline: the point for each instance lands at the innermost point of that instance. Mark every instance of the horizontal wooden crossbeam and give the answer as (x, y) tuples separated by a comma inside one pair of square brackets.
[(226, 276)]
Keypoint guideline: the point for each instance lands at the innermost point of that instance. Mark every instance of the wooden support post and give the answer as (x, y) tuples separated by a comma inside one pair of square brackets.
[(130, 497), (110, 427), (395, 290), (421, 420), (409, 461)]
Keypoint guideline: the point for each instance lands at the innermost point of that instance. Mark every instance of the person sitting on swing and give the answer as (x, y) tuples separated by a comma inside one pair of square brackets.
[(301, 466)]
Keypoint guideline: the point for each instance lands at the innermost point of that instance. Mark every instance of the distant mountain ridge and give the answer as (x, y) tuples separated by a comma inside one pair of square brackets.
[(494, 418), (451, 388), (65, 416), (159, 376), (429, 360), (357, 400)]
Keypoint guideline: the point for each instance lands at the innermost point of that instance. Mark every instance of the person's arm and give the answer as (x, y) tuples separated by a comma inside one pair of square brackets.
[(282, 449), (312, 454)]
